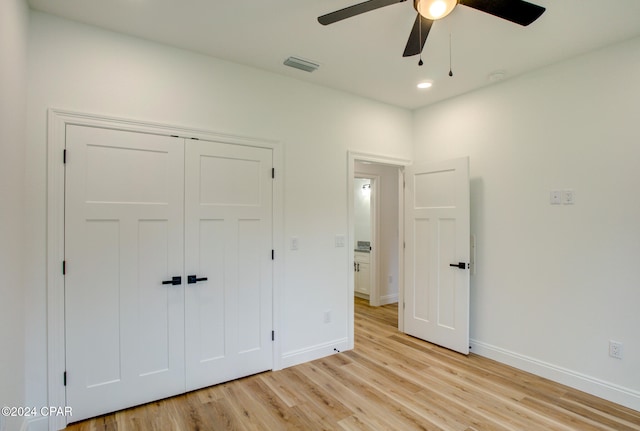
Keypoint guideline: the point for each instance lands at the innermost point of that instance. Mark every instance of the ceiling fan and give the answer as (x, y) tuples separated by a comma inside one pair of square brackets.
[(517, 11)]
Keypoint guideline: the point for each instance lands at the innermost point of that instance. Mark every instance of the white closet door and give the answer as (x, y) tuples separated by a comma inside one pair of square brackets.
[(124, 237), (228, 234)]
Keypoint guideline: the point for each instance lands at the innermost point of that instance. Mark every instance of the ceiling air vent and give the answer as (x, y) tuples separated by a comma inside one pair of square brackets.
[(301, 64)]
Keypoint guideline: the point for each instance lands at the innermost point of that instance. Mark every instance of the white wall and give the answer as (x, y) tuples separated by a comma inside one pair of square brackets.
[(554, 283), (388, 271), (85, 69), (13, 90)]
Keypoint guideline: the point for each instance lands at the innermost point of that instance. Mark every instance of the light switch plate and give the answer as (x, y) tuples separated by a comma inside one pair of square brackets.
[(568, 197), (339, 240), (555, 197)]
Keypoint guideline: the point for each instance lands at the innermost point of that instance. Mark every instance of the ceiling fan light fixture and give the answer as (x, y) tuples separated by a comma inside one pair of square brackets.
[(435, 9)]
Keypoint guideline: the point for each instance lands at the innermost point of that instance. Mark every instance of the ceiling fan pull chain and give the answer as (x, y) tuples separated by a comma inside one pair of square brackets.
[(420, 63), (450, 70)]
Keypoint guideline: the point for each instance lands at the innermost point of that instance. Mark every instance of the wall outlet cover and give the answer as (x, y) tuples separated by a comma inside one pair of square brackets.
[(615, 349)]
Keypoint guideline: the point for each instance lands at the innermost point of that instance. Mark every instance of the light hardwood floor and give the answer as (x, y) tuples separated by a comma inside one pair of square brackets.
[(390, 381)]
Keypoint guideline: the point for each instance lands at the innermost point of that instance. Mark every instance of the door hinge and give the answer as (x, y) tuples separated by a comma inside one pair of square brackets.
[(64, 378), (273, 335), (404, 305), (64, 267), (273, 172), (64, 156), (273, 254)]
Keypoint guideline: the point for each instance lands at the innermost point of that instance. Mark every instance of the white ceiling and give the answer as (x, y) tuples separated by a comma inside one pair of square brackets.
[(363, 54)]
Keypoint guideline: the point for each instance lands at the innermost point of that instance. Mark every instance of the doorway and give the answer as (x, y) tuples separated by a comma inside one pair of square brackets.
[(365, 211), (385, 258), (432, 217)]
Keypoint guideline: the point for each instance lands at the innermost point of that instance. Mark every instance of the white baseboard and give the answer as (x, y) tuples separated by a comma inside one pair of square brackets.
[(591, 385), (388, 299), (312, 353), (361, 295)]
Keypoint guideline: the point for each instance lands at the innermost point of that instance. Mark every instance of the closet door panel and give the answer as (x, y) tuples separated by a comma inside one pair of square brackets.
[(228, 233), (123, 238)]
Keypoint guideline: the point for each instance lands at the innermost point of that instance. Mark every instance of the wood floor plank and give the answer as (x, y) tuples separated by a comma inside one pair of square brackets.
[(286, 385), (580, 400), (367, 410), (323, 402), (390, 381), (404, 418)]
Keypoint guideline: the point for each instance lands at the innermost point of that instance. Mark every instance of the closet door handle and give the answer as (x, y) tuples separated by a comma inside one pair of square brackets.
[(193, 279), (175, 281), (460, 265)]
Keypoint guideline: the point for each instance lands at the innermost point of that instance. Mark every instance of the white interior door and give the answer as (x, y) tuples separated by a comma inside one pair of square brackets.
[(437, 237), (123, 238), (228, 253)]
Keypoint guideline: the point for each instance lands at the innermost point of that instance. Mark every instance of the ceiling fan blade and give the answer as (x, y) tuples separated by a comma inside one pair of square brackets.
[(518, 11), (354, 10), (418, 36)]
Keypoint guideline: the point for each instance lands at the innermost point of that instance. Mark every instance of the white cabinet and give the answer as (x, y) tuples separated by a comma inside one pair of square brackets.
[(362, 277)]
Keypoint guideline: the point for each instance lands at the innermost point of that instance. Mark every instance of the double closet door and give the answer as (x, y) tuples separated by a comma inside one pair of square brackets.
[(168, 284)]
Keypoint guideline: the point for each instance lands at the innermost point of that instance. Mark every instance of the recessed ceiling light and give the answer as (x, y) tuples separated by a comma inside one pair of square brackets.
[(425, 84)]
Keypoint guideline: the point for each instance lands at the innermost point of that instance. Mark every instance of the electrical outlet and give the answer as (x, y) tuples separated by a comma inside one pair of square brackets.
[(615, 349)]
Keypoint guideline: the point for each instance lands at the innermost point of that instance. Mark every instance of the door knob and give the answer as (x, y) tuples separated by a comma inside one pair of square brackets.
[(460, 265), (175, 281), (192, 279)]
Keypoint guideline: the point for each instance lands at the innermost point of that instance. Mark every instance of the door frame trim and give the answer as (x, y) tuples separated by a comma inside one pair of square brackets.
[(352, 157), (57, 120)]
